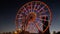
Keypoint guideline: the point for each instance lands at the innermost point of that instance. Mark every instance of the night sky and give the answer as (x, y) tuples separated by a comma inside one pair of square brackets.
[(9, 9)]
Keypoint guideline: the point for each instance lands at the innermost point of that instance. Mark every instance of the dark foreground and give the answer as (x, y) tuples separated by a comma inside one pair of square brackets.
[(25, 32)]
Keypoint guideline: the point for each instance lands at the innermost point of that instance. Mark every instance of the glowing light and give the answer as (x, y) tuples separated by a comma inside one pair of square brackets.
[(15, 32), (20, 30)]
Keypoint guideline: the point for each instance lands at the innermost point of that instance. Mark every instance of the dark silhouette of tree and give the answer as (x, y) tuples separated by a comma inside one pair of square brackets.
[(58, 32), (54, 32)]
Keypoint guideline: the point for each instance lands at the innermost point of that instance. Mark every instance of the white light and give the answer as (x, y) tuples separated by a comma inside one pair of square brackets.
[(15, 32)]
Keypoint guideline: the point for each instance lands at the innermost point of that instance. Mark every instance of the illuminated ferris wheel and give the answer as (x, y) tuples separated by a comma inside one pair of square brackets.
[(31, 15)]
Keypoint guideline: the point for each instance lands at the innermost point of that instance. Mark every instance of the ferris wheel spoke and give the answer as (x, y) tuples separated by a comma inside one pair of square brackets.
[(37, 26), (35, 6), (19, 18), (25, 9), (38, 7), (27, 25), (41, 8), (43, 11), (44, 15), (31, 7), (40, 24)]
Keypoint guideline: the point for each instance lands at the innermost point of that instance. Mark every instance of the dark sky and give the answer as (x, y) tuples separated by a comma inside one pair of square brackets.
[(9, 9)]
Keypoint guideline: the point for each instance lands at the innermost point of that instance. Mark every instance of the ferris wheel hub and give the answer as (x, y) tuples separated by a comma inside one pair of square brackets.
[(31, 16)]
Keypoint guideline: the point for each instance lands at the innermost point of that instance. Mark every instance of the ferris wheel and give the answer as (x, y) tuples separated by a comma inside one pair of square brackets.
[(30, 16)]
